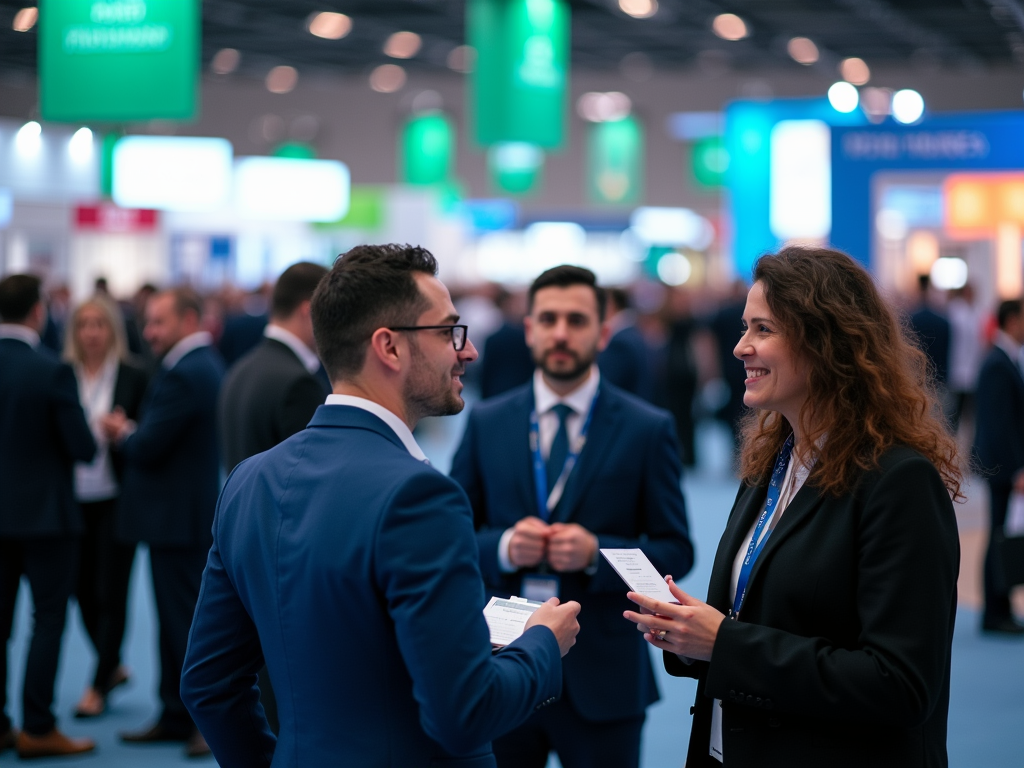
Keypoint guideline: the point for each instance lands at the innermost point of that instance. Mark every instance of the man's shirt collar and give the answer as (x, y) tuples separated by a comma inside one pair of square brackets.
[(19, 332), (306, 355), (399, 427), (186, 345), (579, 399)]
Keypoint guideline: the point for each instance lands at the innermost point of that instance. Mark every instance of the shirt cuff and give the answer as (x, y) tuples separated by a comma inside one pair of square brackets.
[(504, 561), (591, 569)]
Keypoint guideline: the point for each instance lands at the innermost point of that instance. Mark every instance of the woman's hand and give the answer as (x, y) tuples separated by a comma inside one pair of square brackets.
[(688, 629)]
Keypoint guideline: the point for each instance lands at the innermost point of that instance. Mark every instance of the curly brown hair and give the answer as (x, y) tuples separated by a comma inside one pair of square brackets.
[(871, 386)]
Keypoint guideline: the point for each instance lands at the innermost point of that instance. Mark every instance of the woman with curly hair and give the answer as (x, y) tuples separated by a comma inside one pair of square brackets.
[(826, 635)]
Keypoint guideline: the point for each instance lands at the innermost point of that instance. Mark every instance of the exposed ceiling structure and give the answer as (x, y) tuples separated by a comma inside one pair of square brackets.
[(925, 33)]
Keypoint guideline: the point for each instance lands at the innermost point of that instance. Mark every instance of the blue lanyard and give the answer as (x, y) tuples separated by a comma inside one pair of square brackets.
[(755, 547), (540, 473)]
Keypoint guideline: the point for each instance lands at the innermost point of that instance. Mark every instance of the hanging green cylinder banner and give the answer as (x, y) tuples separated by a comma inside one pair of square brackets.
[(516, 168), (427, 149), (519, 86), (615, 161)]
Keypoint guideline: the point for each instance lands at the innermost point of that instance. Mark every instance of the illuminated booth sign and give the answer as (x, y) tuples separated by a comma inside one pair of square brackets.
[(118, 60)]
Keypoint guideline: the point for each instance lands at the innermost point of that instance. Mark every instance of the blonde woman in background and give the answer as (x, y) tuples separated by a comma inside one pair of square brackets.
[(95, 346)]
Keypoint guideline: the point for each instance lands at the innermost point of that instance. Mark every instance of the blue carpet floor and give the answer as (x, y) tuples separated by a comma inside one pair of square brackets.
[(986, 719)]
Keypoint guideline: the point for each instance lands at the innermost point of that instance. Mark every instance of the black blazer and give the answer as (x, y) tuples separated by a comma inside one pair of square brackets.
[(625, 489), (999, 434), (43, 432), (172, 468), (841, 654), (267, 396), (129, 391)]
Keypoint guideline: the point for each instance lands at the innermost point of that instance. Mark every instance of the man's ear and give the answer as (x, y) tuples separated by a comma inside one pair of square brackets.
[(605, 337), (384, 346), (528, 330)]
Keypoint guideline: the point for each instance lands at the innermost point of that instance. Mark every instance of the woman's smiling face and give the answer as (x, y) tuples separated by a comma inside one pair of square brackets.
[(776, 374)]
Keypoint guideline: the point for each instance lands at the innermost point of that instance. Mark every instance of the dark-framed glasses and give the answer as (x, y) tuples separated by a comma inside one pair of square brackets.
[(459, 332)]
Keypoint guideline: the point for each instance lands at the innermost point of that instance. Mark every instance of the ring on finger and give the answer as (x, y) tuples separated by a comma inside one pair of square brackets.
[(660, 634)]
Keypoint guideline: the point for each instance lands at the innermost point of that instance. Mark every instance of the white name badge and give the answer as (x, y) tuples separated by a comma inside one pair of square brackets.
[(715, 747), (539, 588)]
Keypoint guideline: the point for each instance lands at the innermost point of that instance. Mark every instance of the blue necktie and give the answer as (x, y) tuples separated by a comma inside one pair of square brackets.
[(560, 446)]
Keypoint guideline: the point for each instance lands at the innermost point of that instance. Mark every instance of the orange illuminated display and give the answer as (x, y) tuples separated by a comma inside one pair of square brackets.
[(977, 204)]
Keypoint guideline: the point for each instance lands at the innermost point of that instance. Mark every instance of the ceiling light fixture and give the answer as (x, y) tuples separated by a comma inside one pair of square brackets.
[(462, 58), (403, 45), (225, 61), (803, 50), (282, 79), (854, 70), (729, 26), (907, 106), (843, 97), (387, 78), (25, 19), (639, 9), (329, 25)]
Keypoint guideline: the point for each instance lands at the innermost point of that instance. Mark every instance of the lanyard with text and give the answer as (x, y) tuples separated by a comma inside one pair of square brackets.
[(547, 503), (757, 542)]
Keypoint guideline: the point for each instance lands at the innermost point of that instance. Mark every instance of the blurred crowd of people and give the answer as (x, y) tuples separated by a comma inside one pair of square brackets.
[(153, 406)]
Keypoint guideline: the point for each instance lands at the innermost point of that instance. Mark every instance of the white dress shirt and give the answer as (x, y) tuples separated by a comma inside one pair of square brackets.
[(306, 355), (94, 480), (184, 346), (19, 332), (399, 427), (545, 399)]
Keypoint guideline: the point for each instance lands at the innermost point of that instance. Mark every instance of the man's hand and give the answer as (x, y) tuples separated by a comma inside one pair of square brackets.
[(571, 547), (528, 544), (560, 619), (114, 424)]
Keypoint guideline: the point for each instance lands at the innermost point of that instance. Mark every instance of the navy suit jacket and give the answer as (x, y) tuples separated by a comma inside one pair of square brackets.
[(933, 332), (625, 489), (351, 568), (626, 363), (172, 469), (507, 362), (999, 434), (43, 432)]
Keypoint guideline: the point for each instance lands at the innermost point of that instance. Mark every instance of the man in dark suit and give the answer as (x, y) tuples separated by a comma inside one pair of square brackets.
[(933, 332), (172, 475), (626, 360), (43, 432), (349, 565), (999, 445), (541, 515), (506, 362), (274, 390)]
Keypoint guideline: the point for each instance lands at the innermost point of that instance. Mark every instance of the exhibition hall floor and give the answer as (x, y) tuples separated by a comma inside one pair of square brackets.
[(987, 699)]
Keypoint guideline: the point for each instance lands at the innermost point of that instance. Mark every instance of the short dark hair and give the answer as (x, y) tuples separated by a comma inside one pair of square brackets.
[(619, 298), (186, 299), (18, 294), (370, 287), (295, 285), (1008, 309), (562, 277)]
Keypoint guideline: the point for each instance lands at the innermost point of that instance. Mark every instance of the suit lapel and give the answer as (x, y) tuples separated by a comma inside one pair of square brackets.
[(750, 503), (595, 454), (519, 433)]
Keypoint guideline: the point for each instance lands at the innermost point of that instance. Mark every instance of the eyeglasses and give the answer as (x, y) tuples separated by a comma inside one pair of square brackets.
[(459, 332)]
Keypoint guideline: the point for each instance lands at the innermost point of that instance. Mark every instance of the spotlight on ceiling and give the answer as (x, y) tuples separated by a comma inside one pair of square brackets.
[(907, 106), (329, 25), (729, 26), (639, 9), (25, 19), (225, 61), (843, 97), (387, 78), (803, 50), (403, 45), (282, 79), (854, 70)]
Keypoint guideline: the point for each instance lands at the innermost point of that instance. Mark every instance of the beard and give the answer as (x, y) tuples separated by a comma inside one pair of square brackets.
[(581, 364), (428, 393)]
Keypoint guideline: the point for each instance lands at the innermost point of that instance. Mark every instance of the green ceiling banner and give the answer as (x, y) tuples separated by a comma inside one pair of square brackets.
[(516, 168), (615, 161), (519, 86), (118, 60), (427, 149), (710, 161)]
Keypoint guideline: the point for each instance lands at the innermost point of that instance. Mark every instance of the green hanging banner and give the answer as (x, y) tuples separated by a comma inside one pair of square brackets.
[(516, 168), (710, 161), (427, 146), (118, 60), (519, 86), (615, 161)]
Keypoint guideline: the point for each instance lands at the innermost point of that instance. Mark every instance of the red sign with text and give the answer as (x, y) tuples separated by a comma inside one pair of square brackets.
[(109, 218)]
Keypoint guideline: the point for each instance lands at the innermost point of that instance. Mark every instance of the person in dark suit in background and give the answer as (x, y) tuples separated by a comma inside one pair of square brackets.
[(43, 432), (95, 345), (506, 362), (999, 446), (243, 326), (626, 360), (726, 326), (826, 636), (274, 390), (933, 331), (172, 476), (539, 532), (348, 564)]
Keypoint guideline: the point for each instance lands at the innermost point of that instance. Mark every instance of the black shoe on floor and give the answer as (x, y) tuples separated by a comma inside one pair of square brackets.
[(1003, 626)]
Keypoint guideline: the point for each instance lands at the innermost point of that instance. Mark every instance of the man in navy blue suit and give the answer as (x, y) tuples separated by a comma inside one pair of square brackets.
[(171, 480), (348, 564), (999, 445), (555, 470), (626, 359), (43, 432)]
